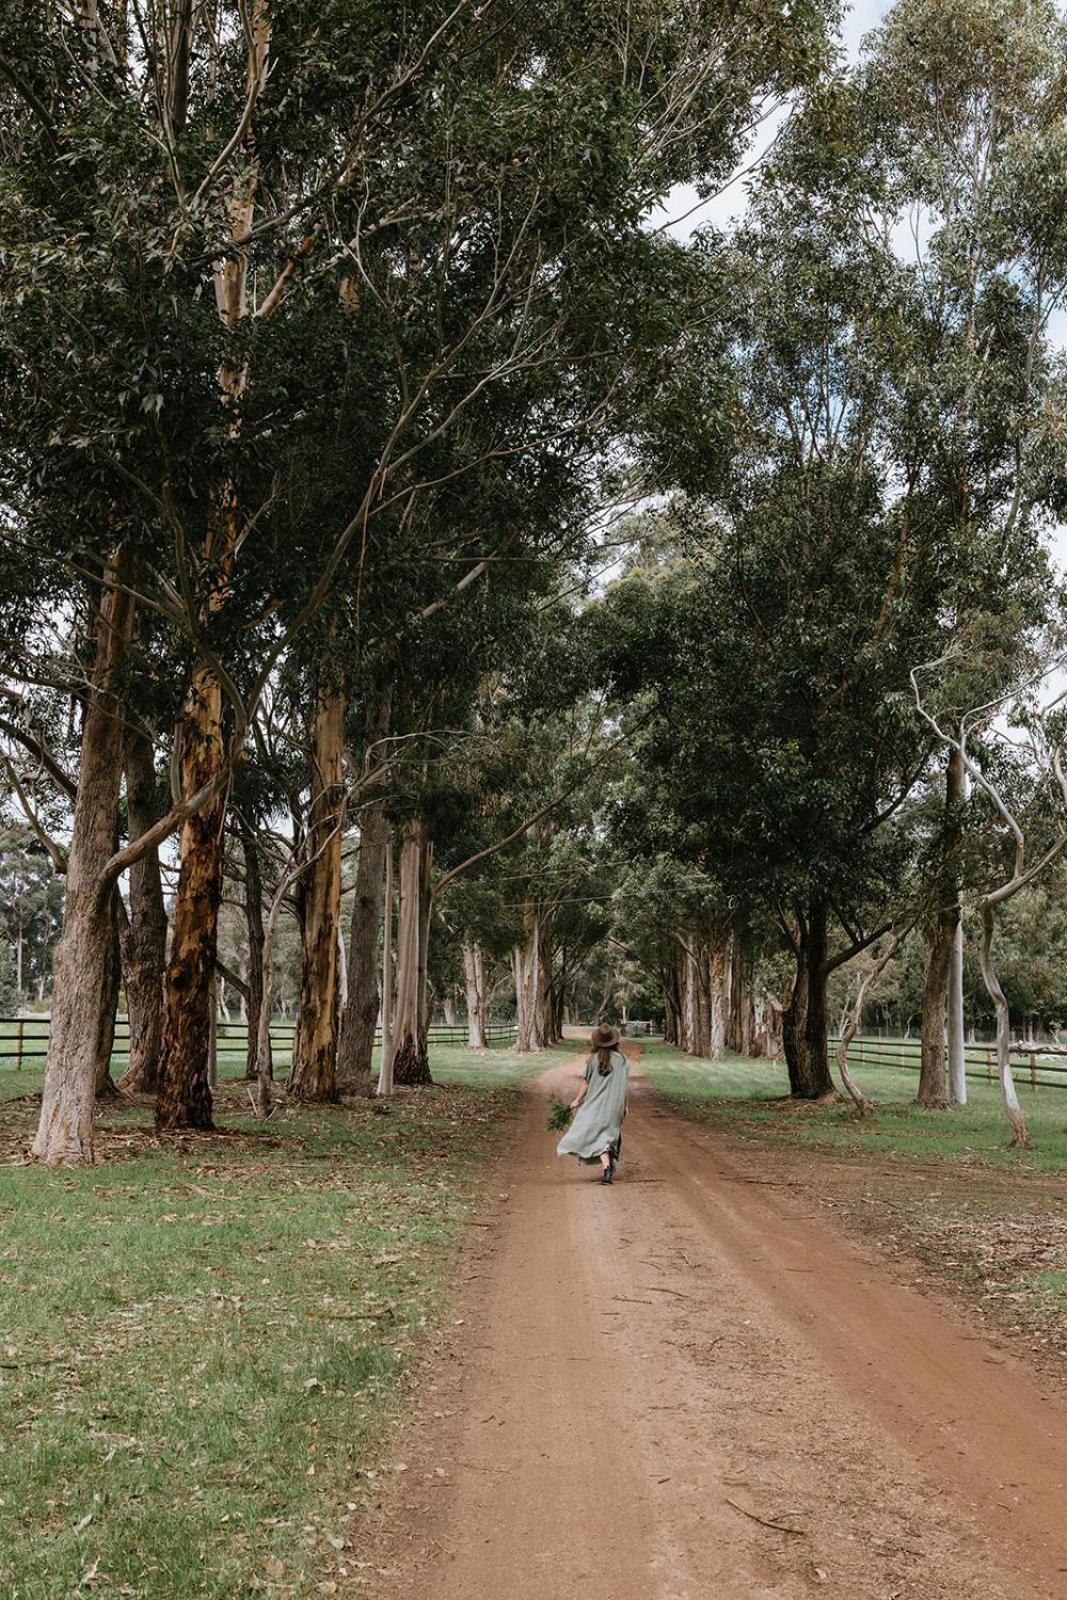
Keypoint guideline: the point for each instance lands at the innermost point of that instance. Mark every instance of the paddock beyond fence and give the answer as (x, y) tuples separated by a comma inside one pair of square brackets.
[(1039, 1066), (25, 1039)]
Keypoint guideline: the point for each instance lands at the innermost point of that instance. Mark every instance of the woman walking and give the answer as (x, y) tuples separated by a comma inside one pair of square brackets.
[(599, 1107)]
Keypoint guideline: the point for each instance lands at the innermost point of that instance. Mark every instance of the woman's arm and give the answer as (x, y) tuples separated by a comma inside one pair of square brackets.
[(584, 1090)]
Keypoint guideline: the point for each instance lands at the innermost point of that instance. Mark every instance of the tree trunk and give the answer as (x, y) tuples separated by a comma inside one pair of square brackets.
[(385, 1069), (259, 1056), (410, 1059), (185, 1096), (956, 796), (690, 1004), (701, 1045), (355, 1048), (1020, 1134), (544, 996), (448, 1005), (474, 984), (213, 1033), (933, 1075), (719, 986), (314, 1070), (425, 994), (84, 955), (144, 939), (957, 1061), (105, 1086), (805, 1028)]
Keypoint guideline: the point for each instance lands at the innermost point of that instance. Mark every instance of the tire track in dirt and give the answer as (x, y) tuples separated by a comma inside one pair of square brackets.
[(686, 1386)]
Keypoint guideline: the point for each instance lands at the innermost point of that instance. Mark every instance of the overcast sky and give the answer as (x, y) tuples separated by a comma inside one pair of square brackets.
[(683, 212)]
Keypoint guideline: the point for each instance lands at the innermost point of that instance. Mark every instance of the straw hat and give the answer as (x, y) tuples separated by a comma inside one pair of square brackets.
[(605, 1037)]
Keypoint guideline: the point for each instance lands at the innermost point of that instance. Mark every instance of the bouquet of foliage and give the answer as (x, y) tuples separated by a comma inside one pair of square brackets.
[(559, 1116)]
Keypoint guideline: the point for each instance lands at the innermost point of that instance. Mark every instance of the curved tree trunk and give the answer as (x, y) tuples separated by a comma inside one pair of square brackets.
[(355, 1048), (1020, 1134), (314, 1070), (144, 939), (805, 1026), (84, 960)]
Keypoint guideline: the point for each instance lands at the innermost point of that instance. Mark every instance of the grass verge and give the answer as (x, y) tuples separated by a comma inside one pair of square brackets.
[(204, 1340), (940, 1190)]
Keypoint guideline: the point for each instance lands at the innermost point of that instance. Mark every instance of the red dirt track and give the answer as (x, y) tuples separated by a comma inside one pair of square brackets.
[(688, 1387)]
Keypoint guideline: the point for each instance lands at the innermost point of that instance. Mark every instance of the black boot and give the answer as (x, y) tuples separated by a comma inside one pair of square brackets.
[(605, 1176)]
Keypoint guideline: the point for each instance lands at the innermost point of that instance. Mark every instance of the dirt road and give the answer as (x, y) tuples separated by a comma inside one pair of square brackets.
[(689, 1386)]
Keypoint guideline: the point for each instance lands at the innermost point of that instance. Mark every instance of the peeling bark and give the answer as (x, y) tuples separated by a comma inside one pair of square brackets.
[(185, 1096), (355, 1048), (474, 984), (84, 959)]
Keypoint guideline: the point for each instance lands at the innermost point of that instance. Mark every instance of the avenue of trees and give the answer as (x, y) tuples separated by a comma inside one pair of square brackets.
[(427, 587)]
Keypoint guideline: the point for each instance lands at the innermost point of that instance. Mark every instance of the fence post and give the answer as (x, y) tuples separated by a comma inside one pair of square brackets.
[(1033, 1070), (18, 1045), (989, 1065)]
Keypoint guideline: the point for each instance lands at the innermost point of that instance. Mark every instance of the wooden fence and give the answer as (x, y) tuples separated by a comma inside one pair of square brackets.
[(1039, 1066), (25, 1039)]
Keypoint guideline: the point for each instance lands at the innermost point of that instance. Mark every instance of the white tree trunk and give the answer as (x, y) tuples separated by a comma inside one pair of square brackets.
[(474, 983), (385, 1070), (1020, 1135), (720, 1001), (342, 968), (957, 1069)]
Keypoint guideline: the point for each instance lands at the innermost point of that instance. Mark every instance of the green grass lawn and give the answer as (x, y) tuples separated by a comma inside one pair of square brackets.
[(202, 1340), (745, 1097)]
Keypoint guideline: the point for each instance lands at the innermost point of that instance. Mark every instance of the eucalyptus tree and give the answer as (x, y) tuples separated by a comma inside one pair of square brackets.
[(954, 125), (234, 230), (1013, 747), (775, 645)]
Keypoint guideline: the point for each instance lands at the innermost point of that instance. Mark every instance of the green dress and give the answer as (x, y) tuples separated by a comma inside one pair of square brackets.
[(597, 1124)]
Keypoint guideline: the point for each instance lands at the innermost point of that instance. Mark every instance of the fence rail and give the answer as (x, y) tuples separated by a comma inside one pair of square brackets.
[(26, 1038), (1042, 1066)]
